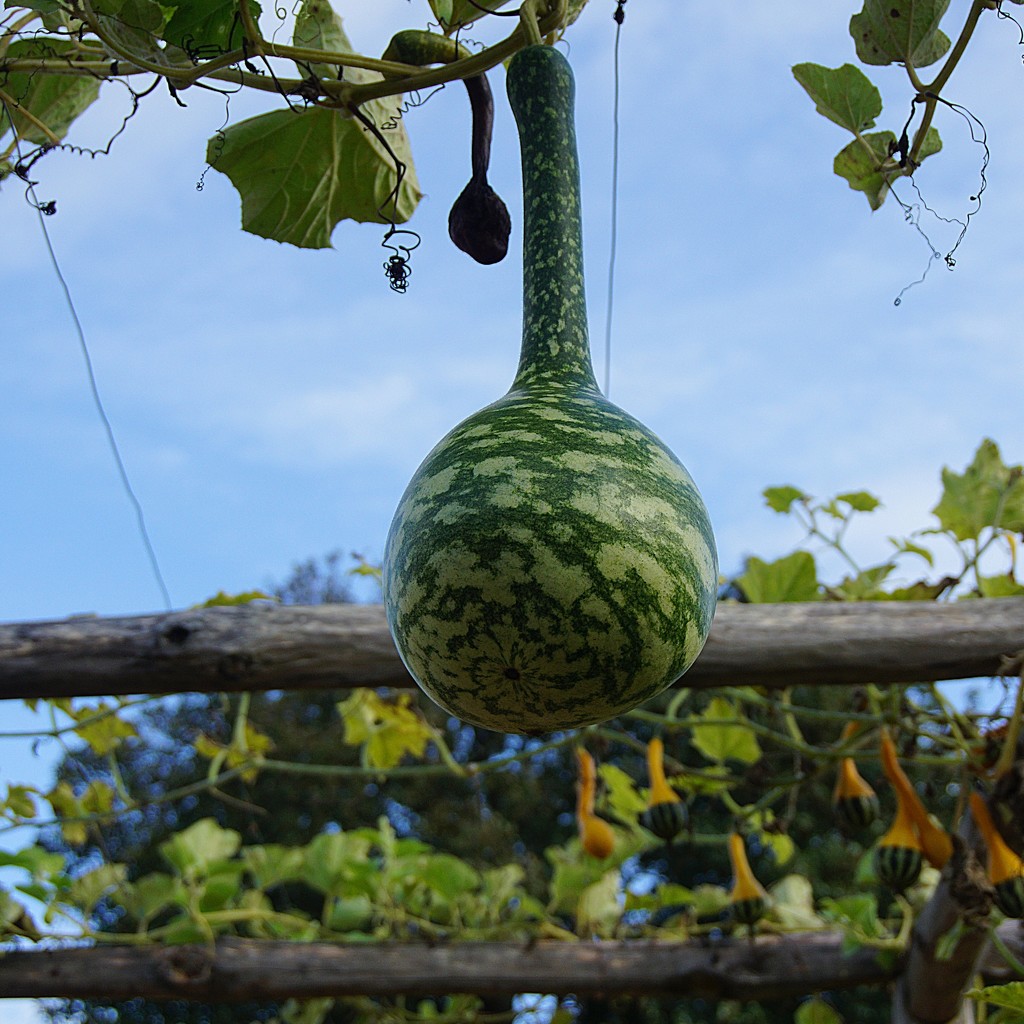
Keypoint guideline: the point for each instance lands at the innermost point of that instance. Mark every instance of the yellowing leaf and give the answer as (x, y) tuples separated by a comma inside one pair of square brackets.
[(66, 804), (623, 799), (104, 733), (388, 729), (20, 801), (781, 845), (726, 736), (225, 600)]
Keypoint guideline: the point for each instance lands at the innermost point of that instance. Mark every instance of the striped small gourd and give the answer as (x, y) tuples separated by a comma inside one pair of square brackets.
[(898, 856), (665, 815), (551, 563), (854, 801), (747, 898)]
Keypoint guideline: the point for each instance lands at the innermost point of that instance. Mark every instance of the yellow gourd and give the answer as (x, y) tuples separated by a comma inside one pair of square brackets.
[(748, 899), (666, 813)]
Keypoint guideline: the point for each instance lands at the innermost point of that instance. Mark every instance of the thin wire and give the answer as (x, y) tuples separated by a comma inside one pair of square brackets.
[(97, 400), (614, 214)]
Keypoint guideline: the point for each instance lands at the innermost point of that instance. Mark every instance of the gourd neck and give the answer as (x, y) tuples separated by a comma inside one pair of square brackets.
[(556, 345)]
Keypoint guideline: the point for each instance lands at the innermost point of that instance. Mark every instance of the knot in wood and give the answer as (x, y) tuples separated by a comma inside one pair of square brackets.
[(185, 966), (236, 665), (177, 633)]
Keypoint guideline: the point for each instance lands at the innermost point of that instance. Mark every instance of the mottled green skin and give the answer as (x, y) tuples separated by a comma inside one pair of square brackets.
[(551, 563)]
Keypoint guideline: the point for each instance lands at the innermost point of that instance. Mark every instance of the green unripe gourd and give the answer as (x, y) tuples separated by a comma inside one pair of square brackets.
[(551, 563)]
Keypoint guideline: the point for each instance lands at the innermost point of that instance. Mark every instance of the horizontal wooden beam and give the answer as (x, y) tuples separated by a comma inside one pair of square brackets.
[(237, 970), (241, 970), (275, 647)]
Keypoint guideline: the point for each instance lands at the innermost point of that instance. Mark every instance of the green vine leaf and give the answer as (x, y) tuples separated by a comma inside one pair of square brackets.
[(782, 499), (1004, 585), (860, 501), (725, 736), (817, 1011), (904, 546), (152, 894), (866, 585), (299, 174), (196, 849), (900, 32), (318, 27), (844, 95), (336, 862), (1010, 996), (599, 908), (793, 903), (54, 100), (212, 24), (861, 163), (987, 494), (455, 13), (793, 578), (87, 890), (136, 24)]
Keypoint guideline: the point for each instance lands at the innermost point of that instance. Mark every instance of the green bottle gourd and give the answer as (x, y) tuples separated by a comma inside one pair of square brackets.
[(551, 563)]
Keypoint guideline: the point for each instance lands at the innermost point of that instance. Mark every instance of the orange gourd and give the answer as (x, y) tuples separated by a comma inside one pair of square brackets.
[(1005, 869), (596, 835), (935, 843)]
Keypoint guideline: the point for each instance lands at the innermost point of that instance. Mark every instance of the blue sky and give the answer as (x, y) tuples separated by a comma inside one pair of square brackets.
[(271, 403)]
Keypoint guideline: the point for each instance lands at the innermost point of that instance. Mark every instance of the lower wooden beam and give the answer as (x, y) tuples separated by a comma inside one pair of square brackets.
[(241, 970)]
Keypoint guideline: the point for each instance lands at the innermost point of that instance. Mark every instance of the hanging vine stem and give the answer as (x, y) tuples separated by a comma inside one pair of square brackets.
[(398, 77)]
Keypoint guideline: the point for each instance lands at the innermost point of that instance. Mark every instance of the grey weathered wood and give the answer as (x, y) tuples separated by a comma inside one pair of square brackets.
[(241, 970), (267, 647), (770, 967)]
